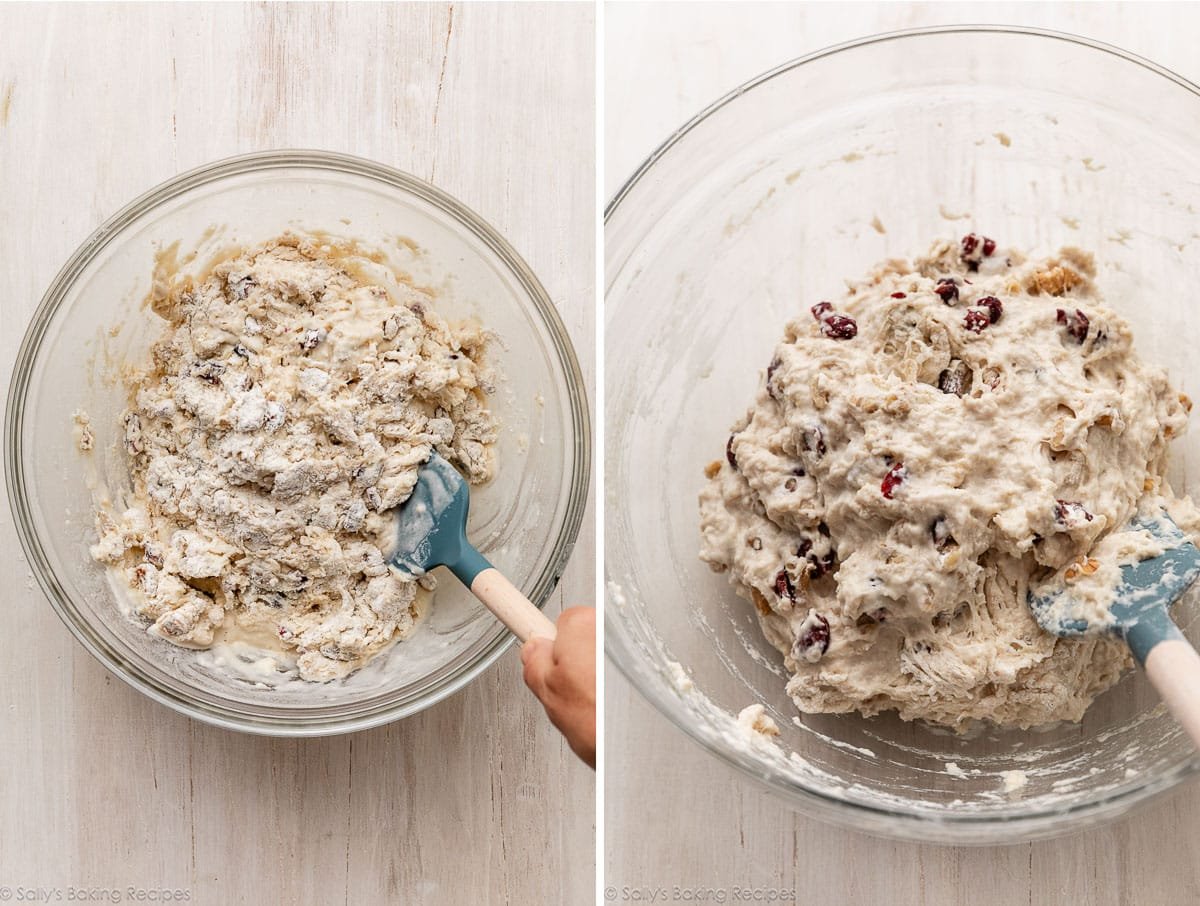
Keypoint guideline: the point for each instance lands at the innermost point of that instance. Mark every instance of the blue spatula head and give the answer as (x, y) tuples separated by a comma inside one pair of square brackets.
[(431, 525), (1146, 590)]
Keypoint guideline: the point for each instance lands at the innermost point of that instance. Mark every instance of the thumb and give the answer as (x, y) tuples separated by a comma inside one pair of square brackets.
[(538, 657)]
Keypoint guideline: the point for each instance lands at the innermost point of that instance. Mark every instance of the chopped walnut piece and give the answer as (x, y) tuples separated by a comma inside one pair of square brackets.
[(1054, 281), (1085, 567)]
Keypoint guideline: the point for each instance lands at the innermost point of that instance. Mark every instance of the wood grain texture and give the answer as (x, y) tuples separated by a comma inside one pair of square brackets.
[(476, 800), (676, 816)]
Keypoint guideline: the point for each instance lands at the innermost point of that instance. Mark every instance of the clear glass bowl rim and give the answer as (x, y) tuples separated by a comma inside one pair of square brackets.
[(947, 828), (112, 228)]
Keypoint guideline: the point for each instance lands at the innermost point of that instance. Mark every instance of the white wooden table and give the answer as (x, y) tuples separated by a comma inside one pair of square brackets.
[(676, 816), (476, 800)]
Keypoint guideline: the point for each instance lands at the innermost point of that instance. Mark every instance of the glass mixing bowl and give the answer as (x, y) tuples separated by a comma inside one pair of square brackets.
[(91, 320), (767, 201)]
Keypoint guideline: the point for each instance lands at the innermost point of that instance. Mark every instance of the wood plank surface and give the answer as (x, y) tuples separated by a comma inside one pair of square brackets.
[(476, 800)]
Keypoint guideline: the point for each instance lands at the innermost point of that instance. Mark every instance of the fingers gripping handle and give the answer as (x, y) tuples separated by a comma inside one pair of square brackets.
[(512, 608)]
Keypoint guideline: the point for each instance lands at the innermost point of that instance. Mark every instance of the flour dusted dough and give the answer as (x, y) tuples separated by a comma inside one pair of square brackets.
[(288, 406), (917, 455)]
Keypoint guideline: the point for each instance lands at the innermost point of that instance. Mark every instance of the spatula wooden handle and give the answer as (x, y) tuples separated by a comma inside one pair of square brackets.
[(1173, 666), (512, 608)]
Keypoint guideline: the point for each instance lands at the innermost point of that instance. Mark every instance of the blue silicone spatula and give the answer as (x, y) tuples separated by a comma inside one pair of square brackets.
[(431, 530), (1140, 617)]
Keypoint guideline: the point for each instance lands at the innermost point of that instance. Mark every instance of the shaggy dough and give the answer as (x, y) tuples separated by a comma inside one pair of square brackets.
[(287, 408), (956, 429)]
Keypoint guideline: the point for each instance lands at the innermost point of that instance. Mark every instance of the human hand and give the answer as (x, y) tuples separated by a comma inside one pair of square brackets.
[(562, 674)]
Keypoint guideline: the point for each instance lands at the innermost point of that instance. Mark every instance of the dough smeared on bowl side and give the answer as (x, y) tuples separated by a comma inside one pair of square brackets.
[(953, 430), (288, 406)]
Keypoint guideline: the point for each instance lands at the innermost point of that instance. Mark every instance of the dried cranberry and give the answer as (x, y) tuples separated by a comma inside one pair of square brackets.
[(955, 378), (775, 363), (813, 639), (824, 564), (834, 326), (312, 338), (893, 479), (879, 615), (947, 288), (975, 320), (729, 452), (940, 533), (975, 248), (239, 288), (994, 306), (813, 440), (819, 564), (208, 371), (839, 327), (899, 295), (823, 529), (784, 586), (1077, 324), (1070, 514)]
